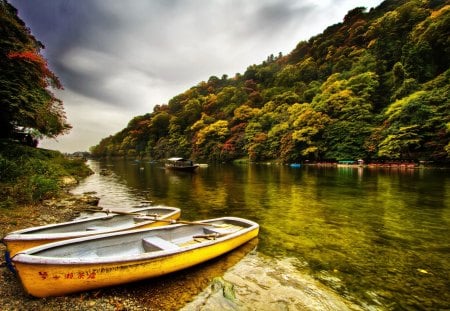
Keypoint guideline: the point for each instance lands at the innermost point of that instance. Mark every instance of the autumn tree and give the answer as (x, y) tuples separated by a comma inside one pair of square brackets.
[(27, 102)]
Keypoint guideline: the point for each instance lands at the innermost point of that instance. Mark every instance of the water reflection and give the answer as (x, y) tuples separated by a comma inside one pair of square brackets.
[(378, 237), (113, 189)]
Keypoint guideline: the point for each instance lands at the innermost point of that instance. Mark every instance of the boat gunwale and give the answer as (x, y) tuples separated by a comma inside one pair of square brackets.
[(28, 257), (28, 235)]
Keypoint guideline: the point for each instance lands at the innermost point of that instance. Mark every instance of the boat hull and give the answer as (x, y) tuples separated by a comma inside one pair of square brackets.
[(181, 168), (53, 279), (36, 236)]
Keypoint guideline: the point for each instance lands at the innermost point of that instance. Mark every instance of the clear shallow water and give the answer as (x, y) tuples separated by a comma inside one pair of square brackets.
[(379, 238)]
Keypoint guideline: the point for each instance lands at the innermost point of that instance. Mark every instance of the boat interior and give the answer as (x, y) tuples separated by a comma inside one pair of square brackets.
[(145, 241), (114, 221)]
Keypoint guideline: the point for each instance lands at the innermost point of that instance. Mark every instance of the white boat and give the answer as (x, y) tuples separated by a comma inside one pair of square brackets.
[(30, 237), (180, 164)]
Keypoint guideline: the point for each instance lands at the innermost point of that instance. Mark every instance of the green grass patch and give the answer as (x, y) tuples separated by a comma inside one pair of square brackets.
[(29, 175)]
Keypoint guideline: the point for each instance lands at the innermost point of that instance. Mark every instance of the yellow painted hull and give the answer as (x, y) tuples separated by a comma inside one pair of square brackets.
[(19, 242), (15, 246), (60, 279)]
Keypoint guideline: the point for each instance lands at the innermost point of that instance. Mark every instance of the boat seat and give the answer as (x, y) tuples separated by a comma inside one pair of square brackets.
[(155, 243), (227, 229), (211, 231)]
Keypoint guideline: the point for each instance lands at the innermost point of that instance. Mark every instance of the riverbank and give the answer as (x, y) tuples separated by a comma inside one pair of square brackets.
[(30, 175)]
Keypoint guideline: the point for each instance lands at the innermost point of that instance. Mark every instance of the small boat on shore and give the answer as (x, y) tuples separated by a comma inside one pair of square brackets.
[(119, 221), (111, 259), (180, 164)]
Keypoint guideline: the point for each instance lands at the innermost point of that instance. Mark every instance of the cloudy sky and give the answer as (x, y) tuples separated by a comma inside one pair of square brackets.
[(118, 59)]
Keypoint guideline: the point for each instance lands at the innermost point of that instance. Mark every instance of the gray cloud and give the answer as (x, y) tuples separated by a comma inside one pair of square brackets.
[(120, 58)]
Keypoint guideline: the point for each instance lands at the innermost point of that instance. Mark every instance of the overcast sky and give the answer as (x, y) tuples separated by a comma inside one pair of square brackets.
[(118, 59)]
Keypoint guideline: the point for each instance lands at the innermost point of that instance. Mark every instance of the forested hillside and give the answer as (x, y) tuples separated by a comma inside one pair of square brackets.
[(375, 86)]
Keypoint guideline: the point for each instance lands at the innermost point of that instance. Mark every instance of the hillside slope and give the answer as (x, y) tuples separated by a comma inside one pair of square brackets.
[(375, 86)]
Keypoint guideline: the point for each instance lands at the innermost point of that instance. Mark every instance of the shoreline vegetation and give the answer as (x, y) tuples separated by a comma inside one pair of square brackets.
[(30, 175), (380, 164)]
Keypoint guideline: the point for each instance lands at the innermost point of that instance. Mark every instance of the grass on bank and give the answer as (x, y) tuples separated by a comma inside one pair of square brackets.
[(29, 175)]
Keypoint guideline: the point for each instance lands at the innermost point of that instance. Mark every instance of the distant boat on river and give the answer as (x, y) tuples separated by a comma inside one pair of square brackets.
[(180, 164)]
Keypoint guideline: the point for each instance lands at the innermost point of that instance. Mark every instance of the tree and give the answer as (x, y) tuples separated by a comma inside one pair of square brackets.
[(305, 71), (26, 101), (308, 126), (416, 125), (217, 130), (159, 125)]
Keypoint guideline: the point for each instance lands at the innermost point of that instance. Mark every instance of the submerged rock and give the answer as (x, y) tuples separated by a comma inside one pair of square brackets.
[(259, 283)]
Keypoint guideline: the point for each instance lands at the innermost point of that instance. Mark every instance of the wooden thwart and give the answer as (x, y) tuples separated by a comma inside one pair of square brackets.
[(120, 212), (186, 222), (154, 217)]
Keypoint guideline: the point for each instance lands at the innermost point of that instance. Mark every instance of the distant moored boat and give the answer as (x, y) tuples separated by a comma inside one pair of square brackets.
[(180, 164)]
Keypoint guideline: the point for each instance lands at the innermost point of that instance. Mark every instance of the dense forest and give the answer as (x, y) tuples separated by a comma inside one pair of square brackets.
[(375, 87)]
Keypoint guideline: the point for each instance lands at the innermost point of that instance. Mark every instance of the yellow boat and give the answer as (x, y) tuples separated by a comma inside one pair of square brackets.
[(35, 236), (111, 259)]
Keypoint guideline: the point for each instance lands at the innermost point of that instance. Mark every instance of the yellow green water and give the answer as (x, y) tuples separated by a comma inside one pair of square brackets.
[(378, 238)]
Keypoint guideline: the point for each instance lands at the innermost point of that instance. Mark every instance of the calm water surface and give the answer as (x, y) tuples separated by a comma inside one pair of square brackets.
[(379, 238)]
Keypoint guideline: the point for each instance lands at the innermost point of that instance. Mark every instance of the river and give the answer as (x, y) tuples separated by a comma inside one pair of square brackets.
[(330, 238)]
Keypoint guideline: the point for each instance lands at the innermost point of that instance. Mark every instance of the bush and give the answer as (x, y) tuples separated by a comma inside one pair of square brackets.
[(41, 187), (9, 170), (7, 203), (29, 174)]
